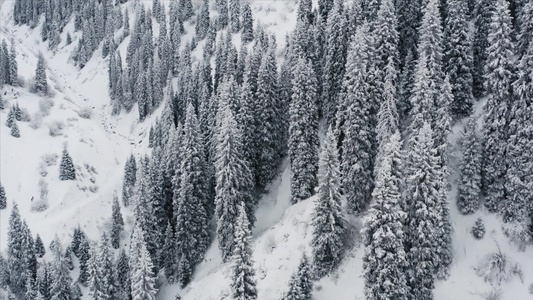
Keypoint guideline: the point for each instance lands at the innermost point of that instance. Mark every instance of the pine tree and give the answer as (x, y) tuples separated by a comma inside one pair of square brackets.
[(384, 260), (15, 252), (10, 117), (525, 29), (60, 289), (15, 130), (96, 285), (243, 286), (130, 173), (458, 58), (168, 254), (234, 181), (194, 207), (335, 61), (39, 247), (328, 221), (84, 257), (247, 24), (13, 66), (300, 284), (354, 125), (141, 274), (234, 15), (480, 45), (3, 198), (117, 224), (41, 84), (123, 276), (303, 132), (469, 187), (421, 201), (498, 77), (66, 168)]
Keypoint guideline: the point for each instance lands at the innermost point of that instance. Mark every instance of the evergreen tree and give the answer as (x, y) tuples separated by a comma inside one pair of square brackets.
[(84, 257), (96, 284), (39, 247), (458, 58), (480, 45), (10, 117), (15, 132), (421, 201), (469, 187), (303, 132), (130, 173), (525, 29), (243, 286), (123, 276), (13, 66), (234, 182), (141, 274), (117, 224), (15, 252), (384, 260), (168, 254), (328, 222), (203, 20), (335, 61), (3, 198), (60, 289), (247, 24), (234, 15), (194, 207), (66, 168), (324, 7), (354, 125), (498, 79), (41, 84), (300, 284)]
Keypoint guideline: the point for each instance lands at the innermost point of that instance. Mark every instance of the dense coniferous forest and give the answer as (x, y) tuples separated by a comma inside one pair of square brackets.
[(360, 102)]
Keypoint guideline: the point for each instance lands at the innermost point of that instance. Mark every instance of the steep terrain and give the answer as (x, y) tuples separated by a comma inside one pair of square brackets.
[(100, 144)]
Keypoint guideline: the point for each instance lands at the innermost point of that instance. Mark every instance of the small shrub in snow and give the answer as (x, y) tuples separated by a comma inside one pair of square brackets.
[(37, 120), (50, 159), (518, 233), (42, 203), (39, 205), (56, 128), (24, 115), (531, 288), (497, 268), (495, 294), (45, 105), (478, 230), (85, 113), (42, 169)]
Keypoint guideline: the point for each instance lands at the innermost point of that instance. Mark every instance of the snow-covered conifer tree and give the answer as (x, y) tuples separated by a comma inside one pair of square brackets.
[(66, 167), (41, 83), (3, 198), (243, 286), (117, 224), (247, 24), (303, 132), (141, 268), (300, 284), (328, 222), (469, 187), (130, 173)]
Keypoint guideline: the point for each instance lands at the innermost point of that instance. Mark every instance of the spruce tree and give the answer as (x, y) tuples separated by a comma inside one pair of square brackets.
[(303, 132), (354, 126), (247, 24), (243, 286), (498, 79), (234, 15), (194, 206), (328, 222), (3, 198), (421, 202), (300, 284), (39, 247), (122, 280), (168, 254), (480, 45), (385, 259), (130, 173), (84, 257), (141, 274), (96, 285), (13, 66), (458, 58), (234, 181), (15, 252), (10, 117), (15, 132), (117, 224), (66, 167), (469, 187), (60, 289), (41, 84)]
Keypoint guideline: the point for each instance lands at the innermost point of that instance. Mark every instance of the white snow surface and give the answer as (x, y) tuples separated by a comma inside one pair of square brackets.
[(282, 233)]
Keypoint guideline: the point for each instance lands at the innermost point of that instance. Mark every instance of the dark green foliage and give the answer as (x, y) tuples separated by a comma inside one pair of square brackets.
[(41, 83), (117, 223), (84, 256), (303, 132), (300, 285), (243, 285), (66, 167), (478, 230), (130, 177), (39, 247), (482, 20), (15, 130), (468, 200), (247, 24), (329, 225), (3, 198)]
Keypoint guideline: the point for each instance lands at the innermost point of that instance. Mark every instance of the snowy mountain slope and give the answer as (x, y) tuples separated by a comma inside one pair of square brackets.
[(282, 232)]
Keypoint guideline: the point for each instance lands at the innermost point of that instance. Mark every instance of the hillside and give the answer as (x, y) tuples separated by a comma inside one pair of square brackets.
[(77, 114)]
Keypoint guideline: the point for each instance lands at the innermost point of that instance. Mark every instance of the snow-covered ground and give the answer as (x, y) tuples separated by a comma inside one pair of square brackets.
[(99, 147)]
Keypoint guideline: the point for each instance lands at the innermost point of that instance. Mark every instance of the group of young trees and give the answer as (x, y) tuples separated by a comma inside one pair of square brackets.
[(8, 64)]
